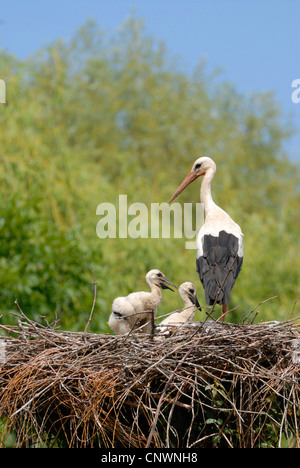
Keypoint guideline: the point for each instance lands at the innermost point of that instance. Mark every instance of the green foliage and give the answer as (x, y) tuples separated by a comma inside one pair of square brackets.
[(97, 117), (218, 429), (47, 271)]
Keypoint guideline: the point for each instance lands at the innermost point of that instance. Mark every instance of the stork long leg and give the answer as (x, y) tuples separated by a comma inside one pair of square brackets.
[(224, 310)]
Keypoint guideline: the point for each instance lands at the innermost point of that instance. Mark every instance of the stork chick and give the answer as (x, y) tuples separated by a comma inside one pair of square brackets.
[(188, 294), (138, 309)]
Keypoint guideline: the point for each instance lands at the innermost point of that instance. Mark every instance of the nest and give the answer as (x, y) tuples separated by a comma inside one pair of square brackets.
[(227, 386)]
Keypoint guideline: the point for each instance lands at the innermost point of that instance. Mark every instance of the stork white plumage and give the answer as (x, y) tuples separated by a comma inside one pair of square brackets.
[(188, 294), (138, 309), (219, 241)]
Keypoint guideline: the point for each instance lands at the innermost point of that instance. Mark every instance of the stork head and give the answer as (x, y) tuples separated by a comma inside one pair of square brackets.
[(157, 278), (187, 292), (200, 167)]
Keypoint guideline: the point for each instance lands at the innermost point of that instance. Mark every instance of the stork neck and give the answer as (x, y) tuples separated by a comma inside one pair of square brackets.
[(156, 291), (189, 309), (205, 191), (189, 303)]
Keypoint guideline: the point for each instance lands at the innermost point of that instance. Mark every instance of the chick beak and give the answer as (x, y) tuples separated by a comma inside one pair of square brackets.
[(164, 284), (195, 302)]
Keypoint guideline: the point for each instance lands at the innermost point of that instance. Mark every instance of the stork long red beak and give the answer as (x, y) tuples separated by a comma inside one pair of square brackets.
[(187, 181)]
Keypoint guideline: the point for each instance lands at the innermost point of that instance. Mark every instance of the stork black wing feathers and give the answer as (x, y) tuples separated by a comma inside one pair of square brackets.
[(219, 253)]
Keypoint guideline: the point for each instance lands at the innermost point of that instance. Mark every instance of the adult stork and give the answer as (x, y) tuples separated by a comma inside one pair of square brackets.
[(188, 295), (138, 309), (219, 241)]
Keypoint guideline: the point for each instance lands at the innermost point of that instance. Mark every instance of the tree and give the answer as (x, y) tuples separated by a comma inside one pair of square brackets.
[(96, 117)]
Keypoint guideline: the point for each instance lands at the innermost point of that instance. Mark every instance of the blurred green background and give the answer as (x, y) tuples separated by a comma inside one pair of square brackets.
[(97, 116)]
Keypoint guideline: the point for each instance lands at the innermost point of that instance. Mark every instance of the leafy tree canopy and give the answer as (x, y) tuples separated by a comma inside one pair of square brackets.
[(98, 116)]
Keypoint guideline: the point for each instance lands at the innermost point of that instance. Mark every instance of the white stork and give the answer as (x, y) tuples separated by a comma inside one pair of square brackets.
[(138, 309), (188, 294), (219, 241)]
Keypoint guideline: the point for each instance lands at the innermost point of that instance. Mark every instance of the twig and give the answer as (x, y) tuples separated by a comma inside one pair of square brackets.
[(294, 306), (94, 302), (221, 317), (260, 303), (152, 324), (33, 324)]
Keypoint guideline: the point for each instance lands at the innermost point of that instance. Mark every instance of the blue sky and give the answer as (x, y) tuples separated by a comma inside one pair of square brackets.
[(255, 42)]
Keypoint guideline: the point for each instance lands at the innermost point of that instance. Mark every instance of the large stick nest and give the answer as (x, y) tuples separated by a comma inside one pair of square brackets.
[(234, 386)]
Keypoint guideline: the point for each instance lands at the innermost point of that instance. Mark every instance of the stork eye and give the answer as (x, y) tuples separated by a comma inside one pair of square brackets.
[(159, 275), (198, 165), (191, 291)]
